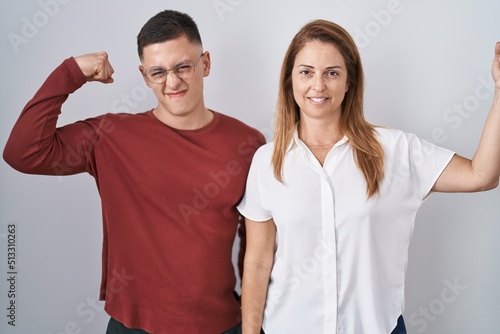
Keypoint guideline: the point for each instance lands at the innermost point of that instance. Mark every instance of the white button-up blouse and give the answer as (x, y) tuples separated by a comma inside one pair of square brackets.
[(340, 260)]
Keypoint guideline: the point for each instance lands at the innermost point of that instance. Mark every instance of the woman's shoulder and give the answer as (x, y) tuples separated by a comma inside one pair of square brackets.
[(399, 142), (265, 152), (389, 136), (384, 132)]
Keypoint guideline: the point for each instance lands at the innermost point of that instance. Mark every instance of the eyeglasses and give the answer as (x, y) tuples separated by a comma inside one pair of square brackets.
[(158, 74)]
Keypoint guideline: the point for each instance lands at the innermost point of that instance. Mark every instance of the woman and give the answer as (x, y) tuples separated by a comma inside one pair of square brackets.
[(330, 204)]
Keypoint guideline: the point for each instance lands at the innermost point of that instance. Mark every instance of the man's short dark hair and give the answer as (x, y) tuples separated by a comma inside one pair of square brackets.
[(165, 26)]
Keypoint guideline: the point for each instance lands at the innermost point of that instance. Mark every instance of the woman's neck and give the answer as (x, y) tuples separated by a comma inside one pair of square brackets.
[(319, 135)]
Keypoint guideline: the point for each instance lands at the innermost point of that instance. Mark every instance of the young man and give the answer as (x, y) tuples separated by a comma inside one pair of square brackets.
[(169, 180)]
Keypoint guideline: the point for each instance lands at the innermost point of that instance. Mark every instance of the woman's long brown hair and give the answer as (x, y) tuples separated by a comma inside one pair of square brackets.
[(368, 152)]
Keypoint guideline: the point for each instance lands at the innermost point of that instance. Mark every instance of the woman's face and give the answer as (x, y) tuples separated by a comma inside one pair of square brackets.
[(319, 81)]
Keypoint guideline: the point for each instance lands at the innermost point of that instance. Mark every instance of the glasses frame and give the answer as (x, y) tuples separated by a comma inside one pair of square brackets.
[(173, 70)]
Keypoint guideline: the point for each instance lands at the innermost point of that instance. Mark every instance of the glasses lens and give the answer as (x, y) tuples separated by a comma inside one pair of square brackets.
[(184, 71), (157, 74)]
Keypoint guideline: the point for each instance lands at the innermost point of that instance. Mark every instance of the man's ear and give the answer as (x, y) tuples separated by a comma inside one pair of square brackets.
[(141, 70), (206, 64)]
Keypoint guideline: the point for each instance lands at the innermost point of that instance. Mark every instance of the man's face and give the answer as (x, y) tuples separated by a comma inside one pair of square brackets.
[(177, 98)]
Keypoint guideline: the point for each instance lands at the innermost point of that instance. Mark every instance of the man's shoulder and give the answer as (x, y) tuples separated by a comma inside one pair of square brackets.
[(238, 126), (233, 121), (124, 121), (133, 117)]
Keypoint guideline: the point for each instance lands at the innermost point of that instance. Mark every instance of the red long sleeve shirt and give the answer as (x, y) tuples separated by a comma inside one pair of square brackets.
[(168, 204)]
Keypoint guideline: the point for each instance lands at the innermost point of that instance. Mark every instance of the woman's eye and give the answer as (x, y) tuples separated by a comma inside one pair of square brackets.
[(305, 72), (332, 74)]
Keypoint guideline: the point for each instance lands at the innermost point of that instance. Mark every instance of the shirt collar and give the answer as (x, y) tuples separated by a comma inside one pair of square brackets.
[(296, 140)]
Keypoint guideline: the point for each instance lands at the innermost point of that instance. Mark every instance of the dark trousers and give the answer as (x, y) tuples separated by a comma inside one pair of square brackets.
[(237, 330), (116, 327), (400, 328)]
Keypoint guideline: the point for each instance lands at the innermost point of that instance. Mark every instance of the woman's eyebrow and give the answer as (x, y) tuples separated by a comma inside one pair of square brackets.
[(326, 68), (303, 65), (333, 67)]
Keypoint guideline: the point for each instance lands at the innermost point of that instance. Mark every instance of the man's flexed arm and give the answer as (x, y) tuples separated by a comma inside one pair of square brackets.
[(36, 145)]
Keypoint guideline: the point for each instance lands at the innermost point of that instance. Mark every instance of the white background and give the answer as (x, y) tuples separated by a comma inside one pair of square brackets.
[(424, 62)]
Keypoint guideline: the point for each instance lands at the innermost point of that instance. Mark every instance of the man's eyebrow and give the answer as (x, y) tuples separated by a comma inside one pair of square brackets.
[(179, 63), (183, 62)]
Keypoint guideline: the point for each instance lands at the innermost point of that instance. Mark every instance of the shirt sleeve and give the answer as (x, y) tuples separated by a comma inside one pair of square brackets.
[(36, 145), (252, 205), (422, 161)]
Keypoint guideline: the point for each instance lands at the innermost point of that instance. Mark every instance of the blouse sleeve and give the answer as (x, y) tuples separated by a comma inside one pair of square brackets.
[(252, 205), (418, 161)]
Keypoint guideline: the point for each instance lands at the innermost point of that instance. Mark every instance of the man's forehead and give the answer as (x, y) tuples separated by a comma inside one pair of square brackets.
[(170, 53)]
